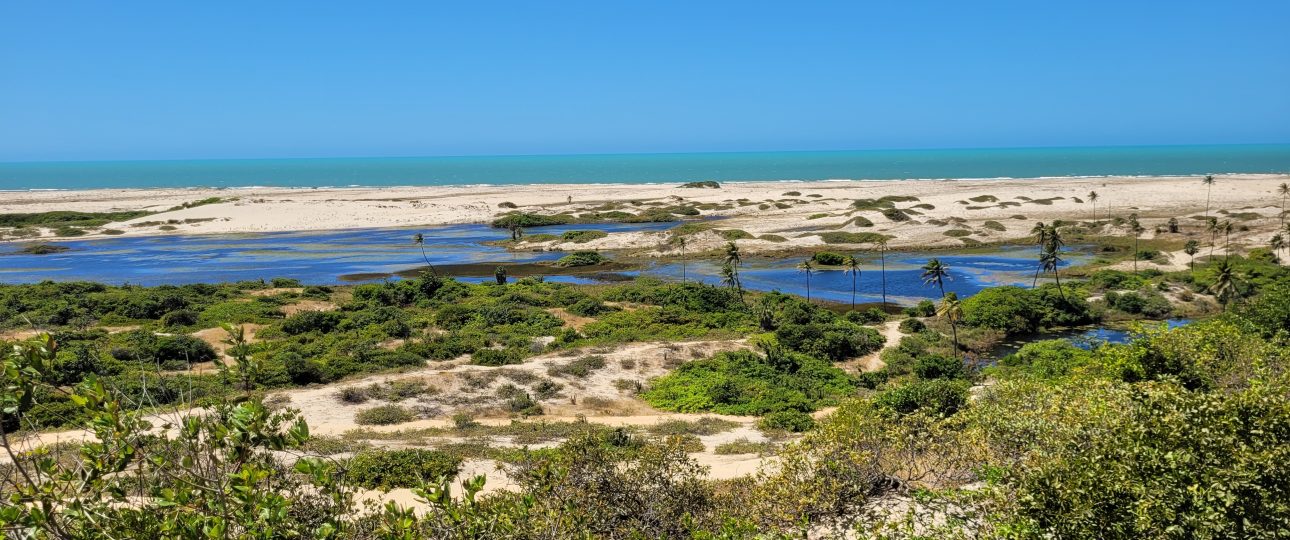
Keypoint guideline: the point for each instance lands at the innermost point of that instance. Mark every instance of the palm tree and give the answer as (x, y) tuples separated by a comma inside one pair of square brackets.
[(1211, 226), (500, 275), (1277, 243), (681, 241), (1092, 197), (882, 258), (853, 267), (728, 276), (1224, 286), (1173, 225), (517, 232), (420, 241), (1052, 261), (1137, 230), (806, 267), (951, 310), (733, 259), (1040, 230), (1227, 227), (1191, 248), (1208, 182), (1284, 190), (934, 272)]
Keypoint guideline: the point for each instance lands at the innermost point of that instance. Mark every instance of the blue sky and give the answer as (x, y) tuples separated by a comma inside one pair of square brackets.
[(166, 80)]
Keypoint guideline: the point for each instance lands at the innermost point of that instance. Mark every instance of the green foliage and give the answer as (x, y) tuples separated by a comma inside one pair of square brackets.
[(526, 220), (712, 184), (912, 326), (388, 469), (384, 415), (829, 258), (1047, 359), (747, 383), (581, 258), (791, 421), (936, 396), (582, 237), (839, 237), (1014, 310)]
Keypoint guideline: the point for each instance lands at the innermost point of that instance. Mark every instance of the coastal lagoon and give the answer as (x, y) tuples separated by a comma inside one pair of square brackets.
[(349, 256)]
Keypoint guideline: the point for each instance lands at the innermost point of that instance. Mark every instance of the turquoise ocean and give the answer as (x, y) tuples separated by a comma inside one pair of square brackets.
[(651, 168)]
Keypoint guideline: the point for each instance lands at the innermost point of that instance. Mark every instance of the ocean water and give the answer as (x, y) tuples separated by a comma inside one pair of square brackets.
[(651, 168)]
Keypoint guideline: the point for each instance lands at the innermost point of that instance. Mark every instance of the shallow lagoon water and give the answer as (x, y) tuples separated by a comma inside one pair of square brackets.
[(322, 257)]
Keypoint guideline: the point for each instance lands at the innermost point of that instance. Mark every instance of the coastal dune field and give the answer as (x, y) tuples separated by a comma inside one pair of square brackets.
[(990, 210)]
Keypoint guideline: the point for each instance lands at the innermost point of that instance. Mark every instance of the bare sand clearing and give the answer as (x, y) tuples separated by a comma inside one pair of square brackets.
[(804, 207)]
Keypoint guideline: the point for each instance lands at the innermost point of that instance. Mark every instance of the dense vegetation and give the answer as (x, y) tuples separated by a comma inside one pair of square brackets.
[(1180, 433)]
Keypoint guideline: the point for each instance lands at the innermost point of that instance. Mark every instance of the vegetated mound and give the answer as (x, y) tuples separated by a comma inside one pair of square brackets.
[(709, 184)]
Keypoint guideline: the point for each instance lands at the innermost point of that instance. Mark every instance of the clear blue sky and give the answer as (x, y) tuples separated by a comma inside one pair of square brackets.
[(162, 80)]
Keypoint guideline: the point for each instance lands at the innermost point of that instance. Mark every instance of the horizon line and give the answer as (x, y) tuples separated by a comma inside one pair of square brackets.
[(604, 154)]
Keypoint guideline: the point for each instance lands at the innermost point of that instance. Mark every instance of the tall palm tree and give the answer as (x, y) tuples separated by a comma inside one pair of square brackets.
[(681, 241), (733, 259), (806, 267), (853, 268), (420, 241), (1211, 226), (1283, 190), (1092, 197), (882, 258), (1191, 248), (1040, 231), (1137, 230), (1226, 228), (952, 310), (1051, 262), (934, 272), (728, 276), (1208, 182), (1224, 286)]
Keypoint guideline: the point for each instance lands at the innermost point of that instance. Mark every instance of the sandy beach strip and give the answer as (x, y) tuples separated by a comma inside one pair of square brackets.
[(995, 210)]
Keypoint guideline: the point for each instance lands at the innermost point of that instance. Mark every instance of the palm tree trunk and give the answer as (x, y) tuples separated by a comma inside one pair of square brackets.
[(433, 272), (808, 286), (853, 292), (882, 255), (1209, 190), (1057, 274), (954, 330)]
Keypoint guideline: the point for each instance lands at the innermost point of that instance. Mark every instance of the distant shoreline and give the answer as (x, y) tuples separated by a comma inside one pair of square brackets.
[(650, 169), (762, 216)]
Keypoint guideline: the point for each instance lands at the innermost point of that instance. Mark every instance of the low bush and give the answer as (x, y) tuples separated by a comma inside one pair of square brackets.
[(384, 415), (581, 258), (388, 469)]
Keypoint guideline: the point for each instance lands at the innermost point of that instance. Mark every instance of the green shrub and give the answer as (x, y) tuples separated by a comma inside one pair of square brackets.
[(939, 367), (912, 326), (581, 258), (581, 237), (924, 308), (496, 357), (957, 233), (935, 396), (829, 258), (388, 469), (384, 415), (311, 321), (524, 219), (1048, 359), (579, 369), (746, 383), (791, 421)]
